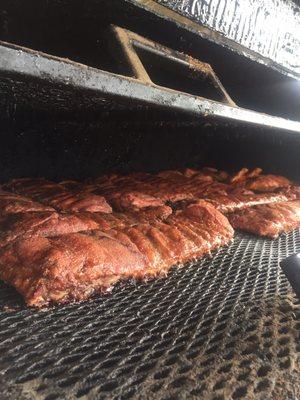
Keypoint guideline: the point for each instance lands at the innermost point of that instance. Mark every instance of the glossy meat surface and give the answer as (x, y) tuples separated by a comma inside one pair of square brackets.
[(75, 266), (268, 183), (13, 226), (229, 193), (11, 203), (58, 196), (67, 267), (66, 241), (233, 202), (133, 201), (269, 219)]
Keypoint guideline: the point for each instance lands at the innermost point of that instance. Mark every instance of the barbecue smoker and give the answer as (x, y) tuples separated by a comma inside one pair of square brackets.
[(128, 86)]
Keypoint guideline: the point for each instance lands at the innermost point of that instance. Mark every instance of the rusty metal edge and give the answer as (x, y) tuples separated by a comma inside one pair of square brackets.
[(127, 39), (28, 63)]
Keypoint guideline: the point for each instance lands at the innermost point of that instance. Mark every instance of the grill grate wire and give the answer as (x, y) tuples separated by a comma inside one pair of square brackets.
[(225, 327)]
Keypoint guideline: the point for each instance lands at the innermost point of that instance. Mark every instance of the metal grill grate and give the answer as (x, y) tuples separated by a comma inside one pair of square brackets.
[(222, 328)]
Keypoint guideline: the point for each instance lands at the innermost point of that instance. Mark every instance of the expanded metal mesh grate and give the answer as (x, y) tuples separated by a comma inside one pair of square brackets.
[(222, 328)]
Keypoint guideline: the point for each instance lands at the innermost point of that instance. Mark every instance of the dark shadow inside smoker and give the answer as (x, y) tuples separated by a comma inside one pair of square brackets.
[(178, 76), (78, 30)]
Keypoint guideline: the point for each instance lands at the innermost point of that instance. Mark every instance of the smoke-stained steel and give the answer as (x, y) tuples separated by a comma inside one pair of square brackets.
[(57, 82), (130, 42), (269, 28)]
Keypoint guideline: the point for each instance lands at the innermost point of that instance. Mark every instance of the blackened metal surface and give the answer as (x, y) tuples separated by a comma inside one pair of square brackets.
[(135, 142), (78, 31), (222, 328), (163, 62), (291, 267), (270, 28), (54, 80)]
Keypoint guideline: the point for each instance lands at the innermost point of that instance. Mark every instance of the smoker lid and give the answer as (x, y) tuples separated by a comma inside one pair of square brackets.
[(266, 31), (226, 327)]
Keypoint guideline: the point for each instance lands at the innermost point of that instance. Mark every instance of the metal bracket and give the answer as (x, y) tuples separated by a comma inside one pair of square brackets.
[(131, 44), (57, 85)]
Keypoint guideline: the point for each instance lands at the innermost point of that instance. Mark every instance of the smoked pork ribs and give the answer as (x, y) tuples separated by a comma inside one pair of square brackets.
[(73, 266), (269, 220), (67, 241)]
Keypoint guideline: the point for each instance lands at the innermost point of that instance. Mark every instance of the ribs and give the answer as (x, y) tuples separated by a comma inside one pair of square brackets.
[(75, 266), (68, 267), (62, 241), (233, 202), (133, 201), (47, 223), (58, 196), (51, 223), (120, 220), (256, 181), (245, 189), (268, 183), (11, 203), (159, 187), (269, 219)]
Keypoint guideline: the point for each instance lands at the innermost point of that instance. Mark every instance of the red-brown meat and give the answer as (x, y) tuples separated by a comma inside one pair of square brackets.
[(133, 201), (257, 182), (208, 172), (244, 189), (68, 267), (11, 203), (52, 256), (269, 219), (18, 225), (80, 202), (75, 266), (130, 218), (163, 189), (268, 183), (58, 196), (234, 202)]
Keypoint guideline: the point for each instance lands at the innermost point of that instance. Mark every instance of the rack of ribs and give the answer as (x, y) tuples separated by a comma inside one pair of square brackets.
[(67, 241), (268, 219), (59, 269), (58, 196), (245, 189)]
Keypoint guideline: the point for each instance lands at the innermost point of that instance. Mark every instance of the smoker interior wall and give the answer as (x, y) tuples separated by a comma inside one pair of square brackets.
[(79, 30), (60, 150)]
